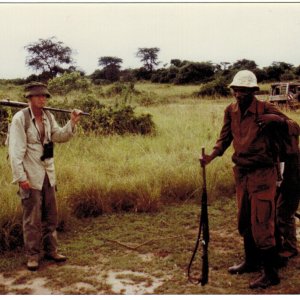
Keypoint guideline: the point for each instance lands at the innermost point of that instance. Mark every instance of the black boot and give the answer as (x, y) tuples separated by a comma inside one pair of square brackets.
[(269, 276), (252, 258)]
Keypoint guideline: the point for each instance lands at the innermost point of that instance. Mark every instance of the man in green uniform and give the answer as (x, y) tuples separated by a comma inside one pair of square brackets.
[(246, 125)]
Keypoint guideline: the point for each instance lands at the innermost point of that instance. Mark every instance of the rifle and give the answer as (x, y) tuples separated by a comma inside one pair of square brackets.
[(7, 102), (204, 228)]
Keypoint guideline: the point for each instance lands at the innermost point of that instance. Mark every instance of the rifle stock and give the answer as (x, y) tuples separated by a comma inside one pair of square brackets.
[(6, 102)]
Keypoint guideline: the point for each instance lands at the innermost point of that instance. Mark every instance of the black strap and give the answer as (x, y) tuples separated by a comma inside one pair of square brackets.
[(27, 115)]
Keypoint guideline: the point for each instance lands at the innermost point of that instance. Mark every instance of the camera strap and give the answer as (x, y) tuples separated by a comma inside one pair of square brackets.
[(27, 115)]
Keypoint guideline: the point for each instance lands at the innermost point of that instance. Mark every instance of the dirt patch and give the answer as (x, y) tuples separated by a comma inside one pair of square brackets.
[(23, 283), (146, 257), (121, 282), (133, 283)]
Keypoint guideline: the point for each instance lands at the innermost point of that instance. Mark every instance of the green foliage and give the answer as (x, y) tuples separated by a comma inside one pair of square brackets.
[(165, 75), (277, 69), (49, 56), (244, 64), (119, 120), (149, 57), (287, 76), (122, 91), (216, 88), (195, 72), (11, 235), (3, 124), (68, 82), (109, 119)]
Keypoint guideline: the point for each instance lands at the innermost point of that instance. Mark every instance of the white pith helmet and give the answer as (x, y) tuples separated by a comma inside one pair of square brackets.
[(244, 78)]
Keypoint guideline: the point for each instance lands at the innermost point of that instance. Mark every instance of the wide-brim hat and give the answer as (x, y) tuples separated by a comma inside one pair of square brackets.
[(35, 89)]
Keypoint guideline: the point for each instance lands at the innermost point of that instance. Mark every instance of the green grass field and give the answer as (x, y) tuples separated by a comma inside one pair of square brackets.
[(157, 181)]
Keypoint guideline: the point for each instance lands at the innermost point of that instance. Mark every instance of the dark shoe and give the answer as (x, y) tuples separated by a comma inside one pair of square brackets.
[(242, 268), (270, 274), (32, 264), (56, 257), (264, 281)]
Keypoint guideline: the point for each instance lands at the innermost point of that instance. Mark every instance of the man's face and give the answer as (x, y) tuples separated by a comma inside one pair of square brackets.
[(243, 94), (38, 101)]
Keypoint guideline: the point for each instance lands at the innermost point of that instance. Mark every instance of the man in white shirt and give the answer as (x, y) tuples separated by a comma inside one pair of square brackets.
[(32, 134)]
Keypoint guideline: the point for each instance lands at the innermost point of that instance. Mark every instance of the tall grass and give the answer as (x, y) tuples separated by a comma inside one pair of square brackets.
[(133, 173), (97, 174)]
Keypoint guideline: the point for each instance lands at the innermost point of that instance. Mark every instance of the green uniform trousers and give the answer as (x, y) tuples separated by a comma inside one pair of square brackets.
[(255, 190)]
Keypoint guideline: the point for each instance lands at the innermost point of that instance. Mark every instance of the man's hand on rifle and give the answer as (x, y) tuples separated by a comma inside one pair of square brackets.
[(25, 185), (205, 160), (75, 116)]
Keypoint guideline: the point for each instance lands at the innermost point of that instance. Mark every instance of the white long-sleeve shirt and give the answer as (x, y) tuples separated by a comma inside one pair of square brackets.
[(26, 149)]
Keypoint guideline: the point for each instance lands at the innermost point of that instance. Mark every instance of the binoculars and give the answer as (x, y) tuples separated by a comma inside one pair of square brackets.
[(48, 151)]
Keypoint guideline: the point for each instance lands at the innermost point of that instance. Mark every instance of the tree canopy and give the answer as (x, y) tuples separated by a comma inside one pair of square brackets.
[(149, 57), (110, 61), (49, 56)]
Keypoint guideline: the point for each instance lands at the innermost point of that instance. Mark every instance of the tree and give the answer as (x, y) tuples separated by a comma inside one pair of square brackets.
[(176, 62), (244, 64), (277, 69), (195, 72), (111, 67), (149, 57), (49, 56), (110, 61), (297, 71), (225, 64)]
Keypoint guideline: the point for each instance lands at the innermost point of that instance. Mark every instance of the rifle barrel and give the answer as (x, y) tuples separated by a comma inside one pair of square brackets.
[(23, 104)]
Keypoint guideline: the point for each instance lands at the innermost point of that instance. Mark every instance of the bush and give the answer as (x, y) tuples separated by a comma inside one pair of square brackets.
[(217, 87), (5, 117), (119, 120), (104, 120), (121, 89), (195, 73), (164, 75), (11, 236), (288, 75), (68, 82)]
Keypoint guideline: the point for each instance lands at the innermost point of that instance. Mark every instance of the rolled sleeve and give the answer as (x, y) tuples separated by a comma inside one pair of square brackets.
[(61, 134)]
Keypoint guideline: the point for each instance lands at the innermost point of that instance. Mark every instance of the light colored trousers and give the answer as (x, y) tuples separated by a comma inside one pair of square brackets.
[(39, 219)]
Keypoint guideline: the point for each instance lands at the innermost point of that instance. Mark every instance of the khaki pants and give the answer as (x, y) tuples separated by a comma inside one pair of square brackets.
[(255, 191), (39, 219)]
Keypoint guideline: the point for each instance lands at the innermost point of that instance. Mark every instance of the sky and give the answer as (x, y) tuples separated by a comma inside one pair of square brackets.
[(216, 32)]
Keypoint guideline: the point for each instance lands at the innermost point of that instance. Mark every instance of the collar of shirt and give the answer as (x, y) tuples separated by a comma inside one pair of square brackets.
[(44, 117)]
